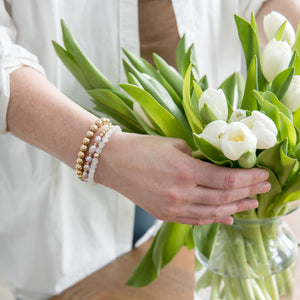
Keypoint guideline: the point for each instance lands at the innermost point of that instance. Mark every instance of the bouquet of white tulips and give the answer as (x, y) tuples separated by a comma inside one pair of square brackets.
[(251, 120)]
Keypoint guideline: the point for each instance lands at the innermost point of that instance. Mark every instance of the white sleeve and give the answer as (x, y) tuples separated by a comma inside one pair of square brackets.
[(12, 57), (249, 6)]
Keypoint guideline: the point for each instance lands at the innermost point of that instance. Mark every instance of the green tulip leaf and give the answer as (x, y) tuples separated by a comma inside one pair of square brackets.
[(169, 125), (248, 102), (169, 73), (170, 238), (192, 117), (297, 42), (203, 83), (287, 130), (280, 31), (211, 152), (205, 238), (248, 35), (71, 64), (295, 62), (157, 91), (207, 114), (190, 59), (271, 98), (267, 108), (267, 200), (282, 82), (101, 109), (141, 64), (146, 271), (277, 160), (181, 50)]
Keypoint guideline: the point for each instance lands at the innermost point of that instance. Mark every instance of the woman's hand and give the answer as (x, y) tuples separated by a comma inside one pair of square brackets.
[(159, 175)]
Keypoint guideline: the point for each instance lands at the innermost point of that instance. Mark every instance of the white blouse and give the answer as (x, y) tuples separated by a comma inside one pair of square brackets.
[(55, 230)]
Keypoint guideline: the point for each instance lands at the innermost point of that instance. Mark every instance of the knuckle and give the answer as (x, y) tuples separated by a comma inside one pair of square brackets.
[(231, 180), (226, 197), (216, 212)]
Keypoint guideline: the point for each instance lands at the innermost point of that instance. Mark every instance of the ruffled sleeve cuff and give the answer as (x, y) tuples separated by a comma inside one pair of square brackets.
[(12, 57)]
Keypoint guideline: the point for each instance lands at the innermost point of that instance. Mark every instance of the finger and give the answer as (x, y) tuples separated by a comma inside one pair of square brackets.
[(195, 221), (217, 211), (204, 195), (210, 175)]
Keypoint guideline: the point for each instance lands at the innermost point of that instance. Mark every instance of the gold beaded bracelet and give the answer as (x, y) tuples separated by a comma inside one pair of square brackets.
[(85, 143)]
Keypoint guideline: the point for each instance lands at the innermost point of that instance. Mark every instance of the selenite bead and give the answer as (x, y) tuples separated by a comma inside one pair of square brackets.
[(86, 167), (86, 141), (89, 159), (101, 144), (92, 149), (81, 154), (93, 128), (97, 139), (83, 148), (89, 134), (84, 175), (99, 150), (95, 161)]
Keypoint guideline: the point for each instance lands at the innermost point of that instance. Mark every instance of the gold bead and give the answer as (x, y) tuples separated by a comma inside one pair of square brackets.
[(79, 161), (96, 155), (78, 167), (79, 172), (86, 141), (98, 122), (83, 148), (89, 134), (81, 154), (93, 128)]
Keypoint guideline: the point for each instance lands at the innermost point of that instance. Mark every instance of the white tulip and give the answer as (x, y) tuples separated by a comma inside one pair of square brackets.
[(273, 21), (236, 140), (238, 115), (292, 97), (139, 111), (275, 58), (216, 101), (263, 128), (213, 132)]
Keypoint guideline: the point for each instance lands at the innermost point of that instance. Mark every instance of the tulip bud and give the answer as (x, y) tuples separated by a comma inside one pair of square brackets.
[(273, 21), (236, 140), (216, 101), (139, 111), (275, 58), (263, 128), (238, 115), (248, 159), (213, 132), (292, 97)]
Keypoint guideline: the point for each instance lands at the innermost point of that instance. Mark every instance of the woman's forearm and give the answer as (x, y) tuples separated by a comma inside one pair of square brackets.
[(41, 115)]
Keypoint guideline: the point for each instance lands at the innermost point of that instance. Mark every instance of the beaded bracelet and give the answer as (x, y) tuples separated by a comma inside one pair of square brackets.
[(96, 149), (85, 143)]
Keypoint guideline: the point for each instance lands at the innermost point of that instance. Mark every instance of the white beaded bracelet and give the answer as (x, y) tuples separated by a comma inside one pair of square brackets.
[(95, 151)]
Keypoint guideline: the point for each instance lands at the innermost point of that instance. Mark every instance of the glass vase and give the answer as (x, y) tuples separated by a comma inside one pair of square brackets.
[(251, 259)]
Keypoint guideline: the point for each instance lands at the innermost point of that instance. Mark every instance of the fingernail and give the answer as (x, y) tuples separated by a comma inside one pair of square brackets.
[(264, 175), (265, 187), (252, 204)]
